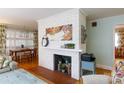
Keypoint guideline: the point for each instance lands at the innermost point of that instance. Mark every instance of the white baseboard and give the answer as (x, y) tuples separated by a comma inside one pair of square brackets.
[(104, 67)]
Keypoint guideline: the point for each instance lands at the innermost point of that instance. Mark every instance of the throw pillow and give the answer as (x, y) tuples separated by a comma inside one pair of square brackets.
[(9, 58), (1, 61), (6, 63)]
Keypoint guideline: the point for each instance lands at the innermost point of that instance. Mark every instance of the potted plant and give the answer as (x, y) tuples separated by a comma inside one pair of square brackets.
[(63, 68)]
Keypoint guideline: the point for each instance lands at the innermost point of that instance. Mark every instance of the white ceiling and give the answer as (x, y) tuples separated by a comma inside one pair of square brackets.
[(96, 13), (28, 16)]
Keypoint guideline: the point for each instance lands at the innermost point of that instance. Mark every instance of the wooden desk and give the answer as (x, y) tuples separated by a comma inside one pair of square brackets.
[(14, 53)]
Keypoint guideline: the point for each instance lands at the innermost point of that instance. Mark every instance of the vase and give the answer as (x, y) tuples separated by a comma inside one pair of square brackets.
[(63, 70)]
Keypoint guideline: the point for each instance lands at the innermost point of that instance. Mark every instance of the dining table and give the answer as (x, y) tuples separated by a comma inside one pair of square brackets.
[(16, 52)]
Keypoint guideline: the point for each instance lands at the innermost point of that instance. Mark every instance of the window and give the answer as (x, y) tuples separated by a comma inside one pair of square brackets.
[(15, 38)]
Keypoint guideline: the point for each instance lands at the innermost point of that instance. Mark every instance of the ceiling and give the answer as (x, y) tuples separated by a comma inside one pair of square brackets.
[(96, 13), (28, 16)]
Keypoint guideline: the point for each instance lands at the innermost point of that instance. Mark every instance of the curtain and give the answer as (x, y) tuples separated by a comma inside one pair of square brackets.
[(2, 39), (35, 39)]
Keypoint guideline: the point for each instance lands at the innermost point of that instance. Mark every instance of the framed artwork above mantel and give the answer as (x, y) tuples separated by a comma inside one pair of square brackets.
[(60, 33)]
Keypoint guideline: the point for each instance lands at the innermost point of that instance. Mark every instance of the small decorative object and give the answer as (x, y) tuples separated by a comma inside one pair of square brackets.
[(83, 35), (70, 46), (45, 41), (59, 65), (66, 61), (22, 46), (63, 67), (63, 70), (62, 46), (69, 68)]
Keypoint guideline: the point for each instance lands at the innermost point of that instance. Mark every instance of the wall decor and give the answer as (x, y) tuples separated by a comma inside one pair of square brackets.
[(83, 35), (62, 33), (45, 41), (69, 46)]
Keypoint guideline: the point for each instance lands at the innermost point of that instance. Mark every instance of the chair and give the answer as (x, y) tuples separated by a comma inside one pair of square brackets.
[(96, 79), (26, 56), (118, 73), (35, 52)]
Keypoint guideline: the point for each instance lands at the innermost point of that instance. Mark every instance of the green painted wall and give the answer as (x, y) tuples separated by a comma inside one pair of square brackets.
[(100, 39)]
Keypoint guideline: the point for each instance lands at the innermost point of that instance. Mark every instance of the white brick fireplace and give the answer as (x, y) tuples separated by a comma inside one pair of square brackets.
[(75, 60)]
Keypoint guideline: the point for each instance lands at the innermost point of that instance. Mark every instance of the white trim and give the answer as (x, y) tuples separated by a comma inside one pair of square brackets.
[(63, 49), (104, 67)]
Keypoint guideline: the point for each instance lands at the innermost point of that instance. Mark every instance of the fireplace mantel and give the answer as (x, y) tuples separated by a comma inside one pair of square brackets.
[(73, 53), (63, 49)]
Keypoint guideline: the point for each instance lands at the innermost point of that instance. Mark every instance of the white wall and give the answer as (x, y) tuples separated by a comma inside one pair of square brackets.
[(100, 39), (67, 17), (82, 21), (64, 18)]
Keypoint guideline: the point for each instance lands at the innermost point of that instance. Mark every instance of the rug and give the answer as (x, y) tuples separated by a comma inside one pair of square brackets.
[(19, 76)]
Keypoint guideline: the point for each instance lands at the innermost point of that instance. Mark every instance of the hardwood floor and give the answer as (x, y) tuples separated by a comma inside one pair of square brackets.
[(29, 65), (53, 76), (103, 71), (46, 74)]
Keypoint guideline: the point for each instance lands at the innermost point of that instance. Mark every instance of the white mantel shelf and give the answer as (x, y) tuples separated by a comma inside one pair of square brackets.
[(62, 49)]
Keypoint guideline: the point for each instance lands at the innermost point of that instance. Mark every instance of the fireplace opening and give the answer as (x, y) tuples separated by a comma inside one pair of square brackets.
[(62, 63)]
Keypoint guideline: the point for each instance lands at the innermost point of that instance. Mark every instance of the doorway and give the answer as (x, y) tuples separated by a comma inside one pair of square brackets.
[(119, 43)]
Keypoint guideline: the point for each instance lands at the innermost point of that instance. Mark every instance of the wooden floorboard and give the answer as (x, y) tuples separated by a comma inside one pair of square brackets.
[(103, 71), (53, 76)]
